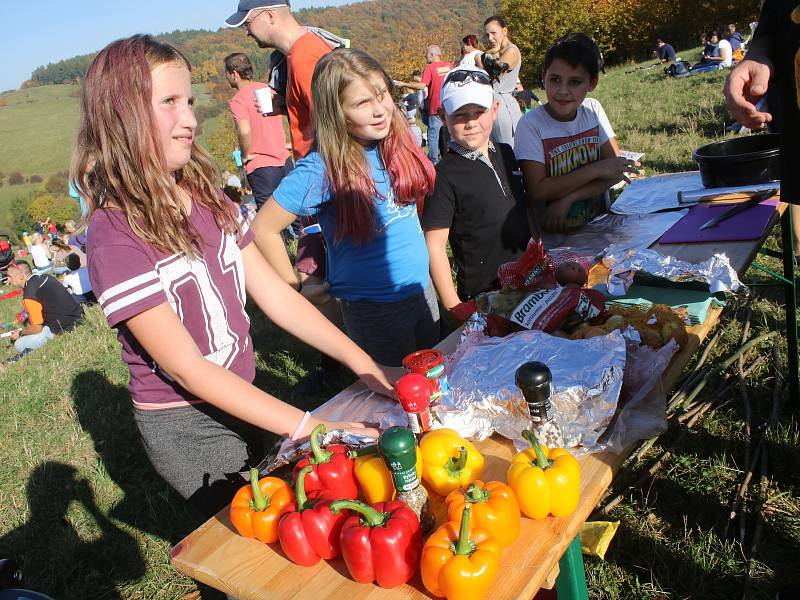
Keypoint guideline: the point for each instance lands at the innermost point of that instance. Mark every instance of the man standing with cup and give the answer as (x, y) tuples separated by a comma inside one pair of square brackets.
[(260, 131)]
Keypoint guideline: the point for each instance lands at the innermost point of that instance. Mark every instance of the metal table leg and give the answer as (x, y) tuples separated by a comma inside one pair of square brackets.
[(571, 581), (790, 289)]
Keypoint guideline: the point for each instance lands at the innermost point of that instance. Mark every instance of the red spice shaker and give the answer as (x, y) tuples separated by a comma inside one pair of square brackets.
[(414, 392), (429, 363)]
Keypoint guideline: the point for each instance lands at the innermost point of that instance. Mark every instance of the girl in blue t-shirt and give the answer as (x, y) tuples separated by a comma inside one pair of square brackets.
[(364, 182)]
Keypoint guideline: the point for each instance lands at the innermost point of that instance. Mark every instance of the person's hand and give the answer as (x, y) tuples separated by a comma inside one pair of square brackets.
[(464, 310), (617, 168), (555, 215), (365, 429), (15, 335), (316, 292), (381, 379), (745, 85)]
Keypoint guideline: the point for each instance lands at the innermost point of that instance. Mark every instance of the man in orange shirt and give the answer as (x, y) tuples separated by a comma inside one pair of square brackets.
[(271, 24)]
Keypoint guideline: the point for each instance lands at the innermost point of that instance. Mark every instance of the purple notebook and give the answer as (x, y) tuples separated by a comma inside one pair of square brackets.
[(747, 225)]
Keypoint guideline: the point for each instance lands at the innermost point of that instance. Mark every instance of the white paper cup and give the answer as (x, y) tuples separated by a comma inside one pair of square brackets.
[(264, 100)]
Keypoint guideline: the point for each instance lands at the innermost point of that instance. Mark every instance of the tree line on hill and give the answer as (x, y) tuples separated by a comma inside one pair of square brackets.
[(625, 29), (48, 200), (397, 31)]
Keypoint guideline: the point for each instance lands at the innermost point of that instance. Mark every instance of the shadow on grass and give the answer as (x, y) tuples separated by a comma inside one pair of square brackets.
[(50, 549), (148, 503), (654, 560), (105, 412), (683, 555)]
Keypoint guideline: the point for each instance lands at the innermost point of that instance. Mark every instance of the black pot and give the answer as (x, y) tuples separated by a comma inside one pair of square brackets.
[(740, 161)]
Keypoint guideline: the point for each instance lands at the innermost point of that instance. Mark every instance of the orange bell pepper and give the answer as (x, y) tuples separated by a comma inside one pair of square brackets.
[(460, 562), (255, 508), (494, 508), (547, 481)]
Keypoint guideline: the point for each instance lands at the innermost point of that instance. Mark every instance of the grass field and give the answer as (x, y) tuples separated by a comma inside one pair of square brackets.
[(83, 511), (37, 128)]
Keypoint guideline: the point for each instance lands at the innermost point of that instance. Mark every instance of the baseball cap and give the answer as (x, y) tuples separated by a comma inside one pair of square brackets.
[(466, 85), (245, 6)]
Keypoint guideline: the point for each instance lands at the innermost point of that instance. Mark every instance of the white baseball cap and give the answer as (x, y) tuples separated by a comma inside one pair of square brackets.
[(466, 85)]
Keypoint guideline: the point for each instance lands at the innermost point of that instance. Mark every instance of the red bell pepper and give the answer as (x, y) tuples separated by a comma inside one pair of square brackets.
[(382, 543), (333, 470), (307, 529)]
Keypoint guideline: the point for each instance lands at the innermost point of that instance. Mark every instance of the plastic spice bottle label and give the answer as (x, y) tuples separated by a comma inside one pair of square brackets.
[(404, 480)]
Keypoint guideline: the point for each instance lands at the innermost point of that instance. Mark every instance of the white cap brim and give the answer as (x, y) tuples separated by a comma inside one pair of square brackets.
[(454, 96)]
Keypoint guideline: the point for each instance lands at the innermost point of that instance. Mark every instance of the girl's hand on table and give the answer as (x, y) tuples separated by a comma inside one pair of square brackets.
[(382, 381)]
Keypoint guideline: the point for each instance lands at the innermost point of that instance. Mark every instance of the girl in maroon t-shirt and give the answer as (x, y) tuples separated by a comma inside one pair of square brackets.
[(170, 262)]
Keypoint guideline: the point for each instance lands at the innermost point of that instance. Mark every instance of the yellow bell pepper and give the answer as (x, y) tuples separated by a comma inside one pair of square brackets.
[(546, 481), (449, 461), (373, 476)]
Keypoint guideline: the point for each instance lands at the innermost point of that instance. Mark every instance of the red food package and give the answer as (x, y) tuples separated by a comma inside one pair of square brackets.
[(533, 268), (544, 310)]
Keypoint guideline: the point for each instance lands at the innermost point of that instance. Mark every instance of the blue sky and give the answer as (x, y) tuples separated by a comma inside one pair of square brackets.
[(50, 30)]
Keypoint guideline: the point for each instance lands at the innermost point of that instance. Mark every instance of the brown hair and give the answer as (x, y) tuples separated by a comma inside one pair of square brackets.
[(239, 63), (349, 177), (118, 160)]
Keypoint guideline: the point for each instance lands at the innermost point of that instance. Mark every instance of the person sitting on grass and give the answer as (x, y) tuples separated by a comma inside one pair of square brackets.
[(566, 148), (719, 58), (51, 308), (666, 53), (478, 203), (40, 253), (61, 250), (76, 280), (73, 238), (734, 38)]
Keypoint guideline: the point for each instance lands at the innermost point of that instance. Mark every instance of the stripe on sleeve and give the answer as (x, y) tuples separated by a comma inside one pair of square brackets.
[(112, 307), (127, 285)]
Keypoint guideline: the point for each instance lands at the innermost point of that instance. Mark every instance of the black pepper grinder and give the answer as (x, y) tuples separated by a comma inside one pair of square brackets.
[(535, 381)]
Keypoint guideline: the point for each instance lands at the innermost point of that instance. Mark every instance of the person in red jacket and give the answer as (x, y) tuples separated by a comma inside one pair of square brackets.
[(432, 78)]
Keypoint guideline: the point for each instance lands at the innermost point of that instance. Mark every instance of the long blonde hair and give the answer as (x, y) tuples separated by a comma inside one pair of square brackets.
[(118, 161), (352, 188)]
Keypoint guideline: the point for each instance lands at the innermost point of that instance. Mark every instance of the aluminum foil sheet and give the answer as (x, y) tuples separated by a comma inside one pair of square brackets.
[(625, 262), (587, 379), (660, 192), (632, 231)]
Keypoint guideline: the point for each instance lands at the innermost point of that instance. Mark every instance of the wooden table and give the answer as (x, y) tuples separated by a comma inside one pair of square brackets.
[(217, 556)]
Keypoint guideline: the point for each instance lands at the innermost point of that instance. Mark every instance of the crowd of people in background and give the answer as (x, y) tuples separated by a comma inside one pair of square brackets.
[(718, 52)]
